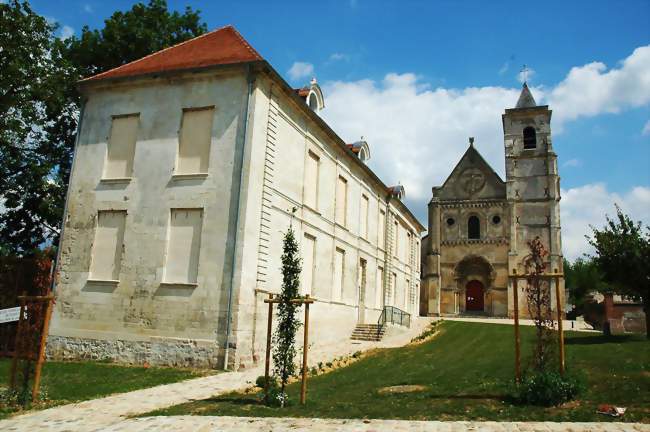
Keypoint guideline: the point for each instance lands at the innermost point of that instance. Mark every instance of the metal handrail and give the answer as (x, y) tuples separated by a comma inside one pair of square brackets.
[(393, 315)]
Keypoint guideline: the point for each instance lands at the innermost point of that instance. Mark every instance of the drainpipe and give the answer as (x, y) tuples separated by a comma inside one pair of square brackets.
[(57, 260), (240, 165)]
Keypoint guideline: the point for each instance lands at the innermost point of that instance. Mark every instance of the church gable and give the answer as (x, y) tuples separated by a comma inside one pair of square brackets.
[(472, 178)]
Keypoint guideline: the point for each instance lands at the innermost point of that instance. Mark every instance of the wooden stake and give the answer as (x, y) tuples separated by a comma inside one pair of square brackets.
[(305, 348), (14, 362), (558, 302), (41, 352), (515, 293), (269, 328)]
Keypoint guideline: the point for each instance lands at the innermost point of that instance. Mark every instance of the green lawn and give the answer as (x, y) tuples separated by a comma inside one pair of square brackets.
[(467, 370), (65, 382)]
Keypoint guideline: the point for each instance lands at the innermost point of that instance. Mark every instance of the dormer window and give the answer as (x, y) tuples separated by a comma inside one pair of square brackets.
[(312, 95), (530, 138), (397, 191), (361, 149)]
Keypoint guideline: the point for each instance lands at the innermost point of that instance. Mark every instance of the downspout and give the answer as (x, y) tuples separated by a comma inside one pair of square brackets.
[(57, 260), (240, 165)]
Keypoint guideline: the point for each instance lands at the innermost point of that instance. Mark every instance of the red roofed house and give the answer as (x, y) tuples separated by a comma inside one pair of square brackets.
[(188, 167)]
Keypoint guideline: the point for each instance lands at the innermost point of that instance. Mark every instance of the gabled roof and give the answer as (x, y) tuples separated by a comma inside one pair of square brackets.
[(219, 47), (526, 99)]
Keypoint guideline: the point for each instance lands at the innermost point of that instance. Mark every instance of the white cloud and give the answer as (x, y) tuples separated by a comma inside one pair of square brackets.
[(66, 32), (301, 70), (572, 163), (588, 205), (591, 89), (646, 129)]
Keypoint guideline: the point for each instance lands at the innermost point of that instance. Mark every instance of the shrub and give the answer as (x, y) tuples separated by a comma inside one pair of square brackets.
[(261, 381), (547, 389)]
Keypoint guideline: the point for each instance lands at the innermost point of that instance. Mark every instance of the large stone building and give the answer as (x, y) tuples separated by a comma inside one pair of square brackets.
[(190, 165), (479, 225)]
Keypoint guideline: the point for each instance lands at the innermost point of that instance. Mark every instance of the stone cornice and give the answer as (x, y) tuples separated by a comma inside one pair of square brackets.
[(459, 242), (473, 203)]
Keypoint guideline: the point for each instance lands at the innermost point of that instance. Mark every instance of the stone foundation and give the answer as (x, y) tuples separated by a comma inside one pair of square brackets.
[(162, 352)]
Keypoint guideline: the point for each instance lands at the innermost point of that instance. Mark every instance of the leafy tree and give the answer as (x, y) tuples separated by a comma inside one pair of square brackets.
[(582, 278), (40, 104), (32, 71), (284, 339), (622, 255)]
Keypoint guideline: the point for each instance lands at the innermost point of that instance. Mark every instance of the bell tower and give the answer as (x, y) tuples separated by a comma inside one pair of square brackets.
[(532, 186)]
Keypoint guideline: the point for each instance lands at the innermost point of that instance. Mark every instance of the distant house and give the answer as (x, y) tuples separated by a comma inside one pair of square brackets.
[(187, 170)]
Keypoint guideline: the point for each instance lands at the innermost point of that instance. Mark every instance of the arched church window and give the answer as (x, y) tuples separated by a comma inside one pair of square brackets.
[(530, 139), (473, 228)]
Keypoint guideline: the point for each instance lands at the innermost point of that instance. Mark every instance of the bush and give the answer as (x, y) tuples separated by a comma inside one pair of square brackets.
[(547, 389)]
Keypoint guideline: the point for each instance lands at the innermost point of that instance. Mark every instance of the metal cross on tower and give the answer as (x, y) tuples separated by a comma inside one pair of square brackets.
[(524, 72)]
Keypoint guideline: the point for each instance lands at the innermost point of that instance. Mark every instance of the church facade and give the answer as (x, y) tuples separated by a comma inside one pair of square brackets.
[(479, 225)]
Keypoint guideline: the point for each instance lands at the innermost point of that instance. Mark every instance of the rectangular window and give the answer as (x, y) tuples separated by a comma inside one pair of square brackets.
[(407, 292), (339, 274), (409, 246), (183, 246), (393, 289), (108, 245), (341, 200), (194, 141), (381, 230), (308, 256), (121, 146), (379, 288), (311, 181), (417, 256), (363, 229), (396, 239)]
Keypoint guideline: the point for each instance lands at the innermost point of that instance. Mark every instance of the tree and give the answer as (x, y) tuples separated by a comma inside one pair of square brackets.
[(40, 104), (284, 339), (31, 73), (582, 278), (623, 257)]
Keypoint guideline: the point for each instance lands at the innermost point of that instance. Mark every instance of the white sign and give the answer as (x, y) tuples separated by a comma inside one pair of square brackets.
[(9, 315)]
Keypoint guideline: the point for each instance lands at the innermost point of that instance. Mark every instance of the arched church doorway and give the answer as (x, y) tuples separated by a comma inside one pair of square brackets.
[(474, 296)]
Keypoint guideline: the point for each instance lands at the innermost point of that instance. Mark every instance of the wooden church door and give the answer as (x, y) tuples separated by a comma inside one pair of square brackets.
[(474, 296)]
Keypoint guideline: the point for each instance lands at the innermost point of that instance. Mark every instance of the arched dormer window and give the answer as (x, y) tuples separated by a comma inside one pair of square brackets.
[(530, 138), (473, 228)]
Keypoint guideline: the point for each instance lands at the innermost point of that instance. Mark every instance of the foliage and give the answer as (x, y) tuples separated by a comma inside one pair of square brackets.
[(40, 105), (538, 298), (547, 389), (33, 154), (284, 339), (581, 279), (467, 369), (622, 255)]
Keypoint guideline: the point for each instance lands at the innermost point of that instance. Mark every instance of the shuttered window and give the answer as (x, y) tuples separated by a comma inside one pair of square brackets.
[(108, 245), (311, 181), (381, 230), (194, 141), (341, 200), (363, 229), (183, 246), (121, 146), (339, 274), (379, 287), (308, 256)]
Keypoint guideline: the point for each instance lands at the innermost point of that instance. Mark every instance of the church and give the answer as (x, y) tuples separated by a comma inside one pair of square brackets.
[(479, 225)]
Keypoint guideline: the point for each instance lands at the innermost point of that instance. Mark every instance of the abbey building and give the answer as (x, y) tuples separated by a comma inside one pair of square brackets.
[(479, 225)]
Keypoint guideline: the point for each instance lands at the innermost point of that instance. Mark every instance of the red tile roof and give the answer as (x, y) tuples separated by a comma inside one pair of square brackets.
[(219, 47)]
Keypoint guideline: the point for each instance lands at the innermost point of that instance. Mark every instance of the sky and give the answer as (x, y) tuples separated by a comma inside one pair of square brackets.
[(417, 78)]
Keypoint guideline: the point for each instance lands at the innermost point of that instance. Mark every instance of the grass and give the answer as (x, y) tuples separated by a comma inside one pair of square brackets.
[(66, 382), (467, 370)]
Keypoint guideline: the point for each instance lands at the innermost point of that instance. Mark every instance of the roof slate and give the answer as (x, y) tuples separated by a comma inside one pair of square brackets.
[(219, 47), (526, 99)]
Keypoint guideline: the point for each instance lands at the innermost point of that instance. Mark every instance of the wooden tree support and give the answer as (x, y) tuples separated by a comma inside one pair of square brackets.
[(269, 329), (558, 305), (23, 334)]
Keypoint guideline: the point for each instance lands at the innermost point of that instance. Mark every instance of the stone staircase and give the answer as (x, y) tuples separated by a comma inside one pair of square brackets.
[(368, 332)]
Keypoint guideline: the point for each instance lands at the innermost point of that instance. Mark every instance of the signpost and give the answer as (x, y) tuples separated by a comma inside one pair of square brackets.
[(9, 315)]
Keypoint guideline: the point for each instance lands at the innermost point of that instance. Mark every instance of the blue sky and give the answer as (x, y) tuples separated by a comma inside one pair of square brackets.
[(458, 63)]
